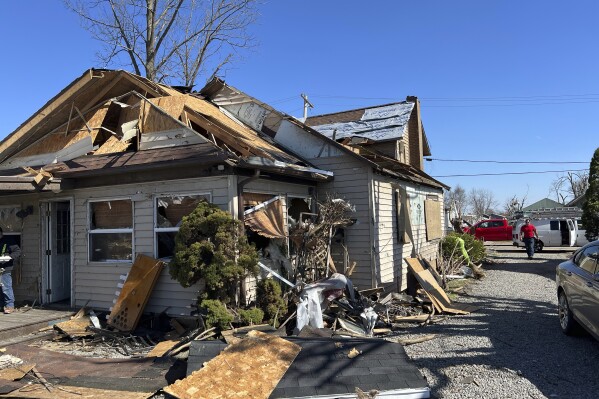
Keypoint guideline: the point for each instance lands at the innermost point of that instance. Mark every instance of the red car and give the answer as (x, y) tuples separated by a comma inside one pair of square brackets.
[(491, 230)]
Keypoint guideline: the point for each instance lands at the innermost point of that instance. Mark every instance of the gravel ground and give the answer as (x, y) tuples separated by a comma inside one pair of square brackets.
[(513, 346)]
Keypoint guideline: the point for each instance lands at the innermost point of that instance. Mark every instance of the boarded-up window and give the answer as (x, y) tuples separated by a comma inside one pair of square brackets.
[(432, 211), (111, 230), (169, 215)]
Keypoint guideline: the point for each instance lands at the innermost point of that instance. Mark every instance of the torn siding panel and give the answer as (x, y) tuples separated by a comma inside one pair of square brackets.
[(170, 138), (304, 143)]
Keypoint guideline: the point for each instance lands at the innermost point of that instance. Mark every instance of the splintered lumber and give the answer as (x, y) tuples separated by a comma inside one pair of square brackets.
[(135, 293), (76, 327), (438, 297), (162, 347), (416, 340), (69, 392), (413, 319), (251, 368)]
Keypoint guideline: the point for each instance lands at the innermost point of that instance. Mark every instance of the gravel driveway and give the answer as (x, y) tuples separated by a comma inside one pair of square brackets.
[(513, 346)]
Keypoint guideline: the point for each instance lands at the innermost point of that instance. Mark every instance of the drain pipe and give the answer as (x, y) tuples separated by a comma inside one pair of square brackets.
[(240, 187)]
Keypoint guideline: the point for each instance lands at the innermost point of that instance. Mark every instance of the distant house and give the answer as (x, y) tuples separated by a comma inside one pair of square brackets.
[(578, 201), (376, 155), (545, 203), (107, 169)]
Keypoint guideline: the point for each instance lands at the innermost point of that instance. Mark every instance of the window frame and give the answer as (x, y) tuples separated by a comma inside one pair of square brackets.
[(90, 231), (581, 255), (172, 229)]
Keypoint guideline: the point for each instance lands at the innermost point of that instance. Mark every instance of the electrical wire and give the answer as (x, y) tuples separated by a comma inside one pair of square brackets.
[(512, 173), (505, 162)]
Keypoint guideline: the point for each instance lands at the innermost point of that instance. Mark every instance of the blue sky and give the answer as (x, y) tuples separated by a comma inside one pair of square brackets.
[(498, 80)]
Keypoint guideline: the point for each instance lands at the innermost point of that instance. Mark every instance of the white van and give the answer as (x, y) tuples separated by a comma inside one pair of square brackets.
[(552, 233), (580, 235)]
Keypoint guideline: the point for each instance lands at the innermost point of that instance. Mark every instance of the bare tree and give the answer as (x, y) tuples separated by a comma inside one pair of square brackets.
[(456, 200), (168, 40), (514, 205), (481, 201), (570, 186)]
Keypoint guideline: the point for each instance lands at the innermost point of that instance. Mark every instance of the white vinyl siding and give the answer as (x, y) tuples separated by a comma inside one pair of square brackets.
[(99, 283), (351, 184)]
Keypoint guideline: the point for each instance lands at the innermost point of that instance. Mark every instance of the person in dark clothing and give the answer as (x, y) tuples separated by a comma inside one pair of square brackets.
[(9, 251), (528, 234)]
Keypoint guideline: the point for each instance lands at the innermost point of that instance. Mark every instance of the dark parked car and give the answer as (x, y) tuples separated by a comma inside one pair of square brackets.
[(577, 282)]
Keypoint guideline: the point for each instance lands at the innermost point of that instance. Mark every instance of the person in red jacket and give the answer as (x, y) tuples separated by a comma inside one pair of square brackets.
[(528, 234)]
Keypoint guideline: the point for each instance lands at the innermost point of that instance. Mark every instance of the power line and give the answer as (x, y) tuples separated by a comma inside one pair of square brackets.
[(506, 162), (513, 173)]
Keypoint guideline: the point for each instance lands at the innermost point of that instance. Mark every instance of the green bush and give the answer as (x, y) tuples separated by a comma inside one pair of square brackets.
[(216, 313), (270, 299), (251, 316), (475, 248), (212, 245)]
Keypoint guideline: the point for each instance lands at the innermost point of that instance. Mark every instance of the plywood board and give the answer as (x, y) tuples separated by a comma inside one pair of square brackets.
[(76, 327), (162, 347), (155, 120), (111, 146), (432, 214), (135, 293), (251, 368), (172, 105), (436, 294), (16, 373)]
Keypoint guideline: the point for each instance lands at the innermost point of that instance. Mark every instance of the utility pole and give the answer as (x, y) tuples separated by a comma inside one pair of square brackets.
[(306, 105)]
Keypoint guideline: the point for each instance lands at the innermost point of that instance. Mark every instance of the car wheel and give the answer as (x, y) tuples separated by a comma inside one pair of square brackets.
[(566, 320)]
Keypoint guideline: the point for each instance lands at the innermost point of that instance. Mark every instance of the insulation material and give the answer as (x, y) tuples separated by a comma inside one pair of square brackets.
[(112, 145), (432, 212), (251, 368), (135, 293), (268, 221)]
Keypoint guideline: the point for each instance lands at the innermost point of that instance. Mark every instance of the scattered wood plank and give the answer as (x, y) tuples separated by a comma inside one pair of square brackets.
[(135, 293), (437, 295), (416, 340), (162, 347), (251, 368), (16, 372), (75, 328), (413, 319)]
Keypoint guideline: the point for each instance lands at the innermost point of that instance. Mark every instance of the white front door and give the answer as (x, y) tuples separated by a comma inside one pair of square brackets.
[(57, 251)]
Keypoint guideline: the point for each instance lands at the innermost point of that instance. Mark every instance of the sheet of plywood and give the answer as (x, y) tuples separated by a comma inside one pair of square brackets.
[(112, 145), (250, 368), (76, 327), (135, 293), (436, 294), (16, 373), (162, 347), (154, 119)]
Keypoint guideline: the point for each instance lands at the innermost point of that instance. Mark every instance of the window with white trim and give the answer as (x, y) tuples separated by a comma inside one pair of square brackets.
[(169, 211), (110, 234)]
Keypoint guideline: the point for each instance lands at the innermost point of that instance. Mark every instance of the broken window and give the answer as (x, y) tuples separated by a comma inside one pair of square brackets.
[(169, 214), (9, 221), (111, 230)]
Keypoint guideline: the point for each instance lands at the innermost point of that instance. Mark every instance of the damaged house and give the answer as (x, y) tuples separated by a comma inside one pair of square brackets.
[(107, 169), (376, 155)]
